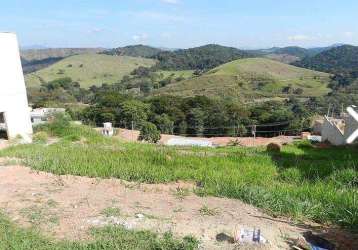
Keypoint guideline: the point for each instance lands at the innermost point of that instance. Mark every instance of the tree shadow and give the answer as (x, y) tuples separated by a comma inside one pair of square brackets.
[(316, 162)]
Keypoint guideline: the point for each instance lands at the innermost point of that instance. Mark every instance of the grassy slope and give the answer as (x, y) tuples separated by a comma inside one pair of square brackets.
[(301, 181), (240, 77), (176, 73), (97, 69), (41, 54)]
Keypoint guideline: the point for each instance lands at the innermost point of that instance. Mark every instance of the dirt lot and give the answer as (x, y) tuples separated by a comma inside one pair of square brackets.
[(67, 206), (129, 135)]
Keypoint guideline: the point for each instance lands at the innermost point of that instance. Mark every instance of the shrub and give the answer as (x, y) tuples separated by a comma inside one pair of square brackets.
[(41, 137), (274, 147), (59, 122), (149, 133)]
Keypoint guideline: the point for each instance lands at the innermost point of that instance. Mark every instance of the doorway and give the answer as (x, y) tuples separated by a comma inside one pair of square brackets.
[(3, 128)]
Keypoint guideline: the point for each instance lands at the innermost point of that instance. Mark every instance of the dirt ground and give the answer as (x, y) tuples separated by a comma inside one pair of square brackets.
[(129, 135), (66, 207)]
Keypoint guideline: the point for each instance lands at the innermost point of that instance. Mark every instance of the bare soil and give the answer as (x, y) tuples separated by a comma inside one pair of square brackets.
[(129, 135), (66, 207)]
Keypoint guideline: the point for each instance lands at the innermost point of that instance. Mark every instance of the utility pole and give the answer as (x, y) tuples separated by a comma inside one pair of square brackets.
[(329, 109), (132, 130), (254, 134)]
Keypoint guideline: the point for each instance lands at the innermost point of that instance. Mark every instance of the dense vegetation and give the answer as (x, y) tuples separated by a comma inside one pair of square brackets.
[(196, 116), (134, 50), (302, 181), (342, 59), (35, 65), (200, 58)]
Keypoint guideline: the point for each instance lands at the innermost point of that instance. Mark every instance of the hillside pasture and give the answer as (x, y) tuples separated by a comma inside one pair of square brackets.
[(89, 69), (253, 77)]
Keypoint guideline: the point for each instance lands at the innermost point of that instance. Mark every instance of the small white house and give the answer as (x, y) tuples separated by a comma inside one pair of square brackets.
[(14, 111), (341, 131), (41, 115)]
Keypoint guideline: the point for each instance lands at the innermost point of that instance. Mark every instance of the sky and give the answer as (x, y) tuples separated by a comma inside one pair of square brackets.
[(246, 24)]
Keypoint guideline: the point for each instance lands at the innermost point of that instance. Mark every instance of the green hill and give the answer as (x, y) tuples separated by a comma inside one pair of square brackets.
[(199, 58), (41, 54), (342, 59), (253, 77), (134, 50), (89, 69)]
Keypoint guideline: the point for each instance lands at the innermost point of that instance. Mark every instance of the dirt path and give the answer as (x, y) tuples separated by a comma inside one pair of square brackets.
[(67, 206)]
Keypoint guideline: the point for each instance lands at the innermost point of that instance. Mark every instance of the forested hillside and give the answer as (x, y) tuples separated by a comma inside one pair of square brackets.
[(200, 58), (134, 50), (336, 60)]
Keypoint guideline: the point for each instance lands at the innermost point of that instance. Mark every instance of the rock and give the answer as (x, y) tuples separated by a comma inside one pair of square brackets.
[(140, 216)]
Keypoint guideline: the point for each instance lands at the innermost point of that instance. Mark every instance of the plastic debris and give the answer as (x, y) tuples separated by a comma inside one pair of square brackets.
[(249, 236)]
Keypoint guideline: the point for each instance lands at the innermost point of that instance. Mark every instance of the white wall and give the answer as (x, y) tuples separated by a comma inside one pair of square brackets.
[(331, 133), (13, 98)]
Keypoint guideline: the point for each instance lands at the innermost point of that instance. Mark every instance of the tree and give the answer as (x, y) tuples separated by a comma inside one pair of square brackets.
[(149, 132), (163, 122), (195, 120), (134, 111)]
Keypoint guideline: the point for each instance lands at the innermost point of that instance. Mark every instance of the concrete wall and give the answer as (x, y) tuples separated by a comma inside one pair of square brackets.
[(351, 122), (331, 133), (13, 97)]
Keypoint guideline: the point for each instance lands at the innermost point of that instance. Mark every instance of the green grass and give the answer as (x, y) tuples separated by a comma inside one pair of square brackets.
[(302, 181), (175, 74), (14, 238), (252, 77), (89, 69)]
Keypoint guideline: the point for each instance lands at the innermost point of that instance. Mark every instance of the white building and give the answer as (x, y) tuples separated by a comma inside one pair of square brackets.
[(14, 111), (341, 131), (41, 115)]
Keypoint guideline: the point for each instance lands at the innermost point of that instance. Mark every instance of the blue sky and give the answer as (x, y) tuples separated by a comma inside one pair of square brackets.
[(181, 23)]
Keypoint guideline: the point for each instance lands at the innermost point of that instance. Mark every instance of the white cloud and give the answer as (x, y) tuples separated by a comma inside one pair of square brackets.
[(140, 38), (170, 1), (348, 34), (299, 38)]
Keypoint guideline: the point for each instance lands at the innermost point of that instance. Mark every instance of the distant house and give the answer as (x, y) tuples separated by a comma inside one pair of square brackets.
[(342, 130), (14, 112), (41, 115)]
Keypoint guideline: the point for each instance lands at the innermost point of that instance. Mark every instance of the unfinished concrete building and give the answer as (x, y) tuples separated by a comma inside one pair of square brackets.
[(14, 110), (342, 130)]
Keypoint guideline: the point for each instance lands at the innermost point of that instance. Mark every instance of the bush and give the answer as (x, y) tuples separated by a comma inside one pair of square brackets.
[(274, 147), (59, 122), (149, 133), (41, 137)]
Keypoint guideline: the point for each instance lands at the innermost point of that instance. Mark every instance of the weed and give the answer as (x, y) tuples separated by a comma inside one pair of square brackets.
[(111, 211), (181, 193), (206, 211)]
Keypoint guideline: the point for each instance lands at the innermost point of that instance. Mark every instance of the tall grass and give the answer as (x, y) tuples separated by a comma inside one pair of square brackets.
[(302, 181)]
